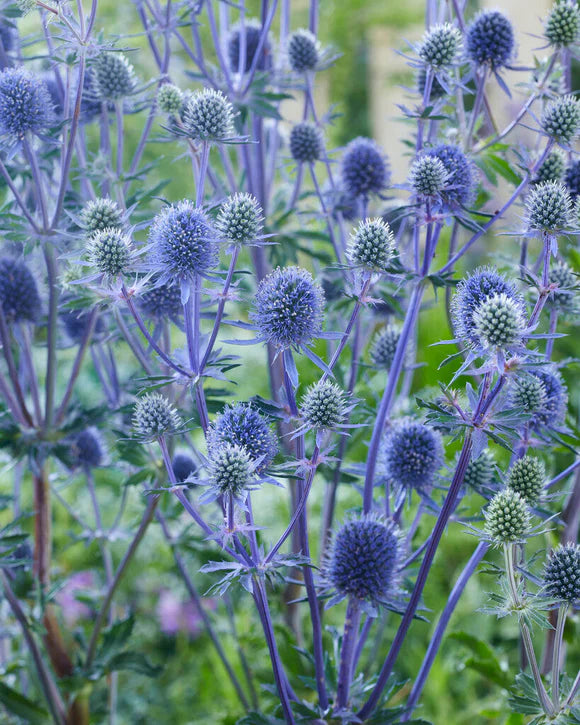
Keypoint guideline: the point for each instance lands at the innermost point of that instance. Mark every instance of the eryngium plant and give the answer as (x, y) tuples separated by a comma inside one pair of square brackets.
[(173, 194)]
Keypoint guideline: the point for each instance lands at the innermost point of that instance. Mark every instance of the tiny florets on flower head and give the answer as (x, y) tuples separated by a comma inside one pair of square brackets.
[(554, 408), (527, 477), (549, 206), (428, 175), (99, 214), (572, 179), (564, 296), (162, 301), (507, 518), (306, 143), (552, 169), (182, 242), (240, 219), (242, 425), (563, 23), (490, 39), (208, 116), (303, 51), (485, 282), (364, 168), (460, 180), (289, 307), (114, 77), (18, 291), (528, 393), (561, 119), (562, 573), (363, 560), (253, 31), (183, 466), (25, 103), (87, 448), (479, 471), (498, 322), (110, 252), (154, 416), (384, 346), (324, 405), (8, 36), (371, 245), (440, 45), (170, 99), (412, 454), (231, 469)]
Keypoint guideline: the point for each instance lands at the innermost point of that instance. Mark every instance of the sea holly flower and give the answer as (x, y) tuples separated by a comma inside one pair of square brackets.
[(507, 518), (114, 77), (371, 246), (252, 30), (440, 45), (561, 119), (552, 168), (552, 412), (170, 99), (549, 207), (412, 455), (364, 168), (428, 175), (498, 322), (18, 291), (101, 213), (110, 253), (562, 574), (306, 143), (154, 416), (324, 406), (563, 24), (240, 220), (527, 476), (490, 40), (460, 181), (384, 346), (25, 104), (303, 51), (242, 425), (208, 116)]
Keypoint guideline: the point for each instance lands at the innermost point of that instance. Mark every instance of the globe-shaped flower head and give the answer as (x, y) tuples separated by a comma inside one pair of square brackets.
[(507, 518), (18, 291), (110, 252), (324, 405), (363, 560), (555, 405), (231, 470), (288, 307), (459, 185), (527, 477), (572, 179), (479, 472), (563, 297), (440, 45), (99, 214), (114, 77), (364, 168), (170, 99), (162, 301), (561, 119), (562, 573), (563, 23), (25, 103), (183, 466), (428, 175), (549, 206), (490, 40), (552, 169), (154, 416), (87, 449), (208, 116), (498, 322), (384, 346), (242, 425), (485, 282), (240, 219), (412, 455), (306, 143), (182, 242), (371, 245), (528, 393), (252, 29), (303, 51)]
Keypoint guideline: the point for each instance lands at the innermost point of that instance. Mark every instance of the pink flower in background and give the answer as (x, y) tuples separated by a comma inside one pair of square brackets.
[(72, 609), (178, 616)]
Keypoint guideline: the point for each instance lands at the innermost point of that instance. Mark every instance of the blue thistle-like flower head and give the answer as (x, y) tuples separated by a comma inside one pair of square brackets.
[(553, 411), (527, 477), (18, 291), (552, 169), (183, 466), (242, 425), (363, 560), (460, 182), (440, 45), (170, 99), (99, 214), (498, 322), (110, 252), (490, 40), (528, 393), (364, 168), (371, 245), (240, 219), (161, 302), (113, 76), (252, 30), (561, 119), (564, 296), (324, 405), (412, 455), (87, 448), (485, 282), (549, 206), (572, 179), (428, 175), (562, 573), (231, 470), (306, 143), (208, 116), (507, 518), (75, 322), (479, 472), (154, 416), (303, 51), (384, 346), (563, 23), (25, 103), (182, 242), (289, 307)]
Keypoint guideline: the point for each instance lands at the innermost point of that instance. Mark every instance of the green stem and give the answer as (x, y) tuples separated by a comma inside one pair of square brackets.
[(562, 612)]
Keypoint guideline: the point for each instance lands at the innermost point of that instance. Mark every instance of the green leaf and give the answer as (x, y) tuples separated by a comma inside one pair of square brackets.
[(134, 662), (115, 638), (21, 706)]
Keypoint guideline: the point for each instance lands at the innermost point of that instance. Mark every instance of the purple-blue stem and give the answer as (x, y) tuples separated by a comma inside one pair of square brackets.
[(347, 652), (38, 183), (51, 333), (12, 372), (429, 76), (481, 78), (266, 25)]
